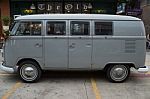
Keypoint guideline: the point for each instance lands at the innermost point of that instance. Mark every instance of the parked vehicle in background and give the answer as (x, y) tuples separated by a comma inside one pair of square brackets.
[(111, 43)]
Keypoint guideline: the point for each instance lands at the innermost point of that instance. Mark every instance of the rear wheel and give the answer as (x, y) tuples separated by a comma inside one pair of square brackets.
[(29, 71), (118, 73)]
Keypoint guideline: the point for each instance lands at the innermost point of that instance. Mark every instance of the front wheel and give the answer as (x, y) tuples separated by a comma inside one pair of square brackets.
[(29, 71), (118, 73)]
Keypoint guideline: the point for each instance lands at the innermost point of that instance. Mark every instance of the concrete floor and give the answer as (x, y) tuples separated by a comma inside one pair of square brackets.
[(76, 85)]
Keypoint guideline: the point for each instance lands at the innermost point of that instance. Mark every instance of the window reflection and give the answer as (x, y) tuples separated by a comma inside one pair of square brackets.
[(29, 28), (56, 28), (80, 28), (103, 28)]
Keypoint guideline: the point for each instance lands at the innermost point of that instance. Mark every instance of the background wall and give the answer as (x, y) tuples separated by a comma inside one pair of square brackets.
[(145, 5), (5, 9)]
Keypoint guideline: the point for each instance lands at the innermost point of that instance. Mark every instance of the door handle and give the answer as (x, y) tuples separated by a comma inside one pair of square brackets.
[(88, 45), (38, 45), (71, 46)]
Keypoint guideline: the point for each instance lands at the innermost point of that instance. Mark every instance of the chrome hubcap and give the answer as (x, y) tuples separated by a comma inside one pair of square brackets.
[(119, 72), (29, 72)]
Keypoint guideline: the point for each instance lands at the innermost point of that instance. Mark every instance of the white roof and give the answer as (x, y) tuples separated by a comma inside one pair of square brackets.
[(76, 16)]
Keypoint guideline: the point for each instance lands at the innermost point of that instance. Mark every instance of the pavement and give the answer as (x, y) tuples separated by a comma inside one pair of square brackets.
[(76, 85)]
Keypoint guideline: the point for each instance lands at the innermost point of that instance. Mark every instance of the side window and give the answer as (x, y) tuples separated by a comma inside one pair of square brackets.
[(103, 28), (80, 28), (36, 28), (23, 29), (56, 28), (29, 28)]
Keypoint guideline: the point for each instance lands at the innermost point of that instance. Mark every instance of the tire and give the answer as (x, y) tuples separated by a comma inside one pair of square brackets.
[(118, 73), (29, 71)]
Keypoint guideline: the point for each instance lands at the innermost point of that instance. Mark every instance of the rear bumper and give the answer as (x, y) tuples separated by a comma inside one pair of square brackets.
[(143, 69), (8, 69)]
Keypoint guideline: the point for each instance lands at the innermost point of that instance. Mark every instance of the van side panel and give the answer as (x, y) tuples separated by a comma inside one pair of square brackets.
[(21, 47), (127, 45), (135, 40), (56, 52), (129, 28)]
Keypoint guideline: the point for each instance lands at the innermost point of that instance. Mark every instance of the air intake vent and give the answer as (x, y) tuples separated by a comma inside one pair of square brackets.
[(130, 46)]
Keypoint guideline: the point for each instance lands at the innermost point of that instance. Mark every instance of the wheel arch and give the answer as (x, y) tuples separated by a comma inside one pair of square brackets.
[(126, 64), (27, 59)]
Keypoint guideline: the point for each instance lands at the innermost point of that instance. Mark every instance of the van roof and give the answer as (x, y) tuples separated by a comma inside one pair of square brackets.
[(77, 16)]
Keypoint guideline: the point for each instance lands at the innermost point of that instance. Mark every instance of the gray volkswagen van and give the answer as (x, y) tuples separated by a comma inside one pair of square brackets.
[(111, 43)]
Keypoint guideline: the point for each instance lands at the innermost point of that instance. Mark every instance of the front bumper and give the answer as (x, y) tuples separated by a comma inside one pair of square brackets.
[(8, 69), (143, 69)]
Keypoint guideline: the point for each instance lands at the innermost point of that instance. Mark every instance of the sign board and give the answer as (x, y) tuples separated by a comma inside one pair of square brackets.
[(68, 7)]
